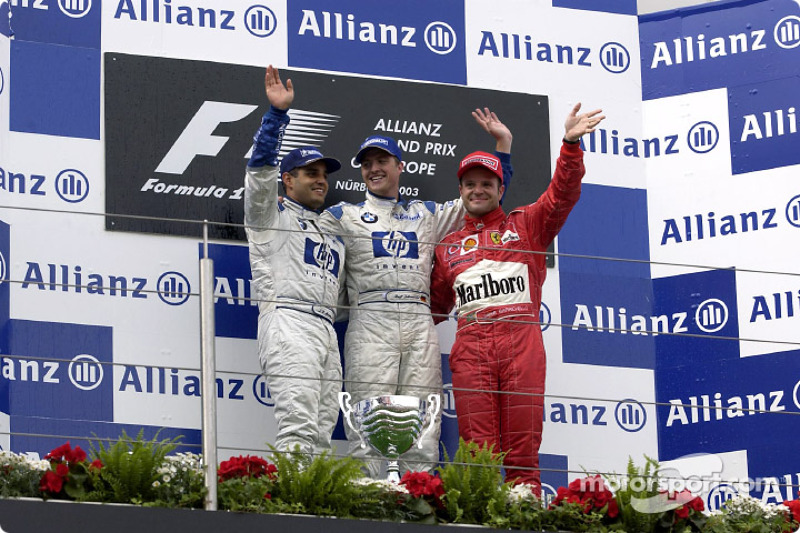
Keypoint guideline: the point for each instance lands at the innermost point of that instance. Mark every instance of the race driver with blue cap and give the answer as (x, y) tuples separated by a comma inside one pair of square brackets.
[(391, 344), (296, 270)]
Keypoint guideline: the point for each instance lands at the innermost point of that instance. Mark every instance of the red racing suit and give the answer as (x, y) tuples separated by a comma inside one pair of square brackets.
[(487, 273)]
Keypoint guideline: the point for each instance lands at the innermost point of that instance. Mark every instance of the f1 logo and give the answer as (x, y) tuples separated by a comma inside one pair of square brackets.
[(198, 139), (400, 244)]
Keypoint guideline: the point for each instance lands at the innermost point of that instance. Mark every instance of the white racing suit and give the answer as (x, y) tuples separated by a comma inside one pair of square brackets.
[(296, 271), (391, 345)]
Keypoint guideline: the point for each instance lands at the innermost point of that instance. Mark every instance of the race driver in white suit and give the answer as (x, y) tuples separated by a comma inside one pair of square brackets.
[(296, 273), (391, 345)]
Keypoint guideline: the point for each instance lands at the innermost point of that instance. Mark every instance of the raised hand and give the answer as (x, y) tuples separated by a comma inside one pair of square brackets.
[(279, 96), (576, 126), (489, 121)]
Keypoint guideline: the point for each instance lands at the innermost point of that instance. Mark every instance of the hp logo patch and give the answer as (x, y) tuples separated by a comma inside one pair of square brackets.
[(72, 185), (719, 495), (261, 391), (544, 317), (702, 137), (711, 315), (400, 244), (440, 38), (548, 494), (85, 372), (260, 21), (173, 288), (75, 8), (630, 415), (787, 32), (793, 211), (615, 58), (2, 269), (448, 401), (321, 255)]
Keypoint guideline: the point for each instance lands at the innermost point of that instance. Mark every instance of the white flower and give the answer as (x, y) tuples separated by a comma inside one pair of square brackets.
[(521, 493), (156, 484), (381, 483)]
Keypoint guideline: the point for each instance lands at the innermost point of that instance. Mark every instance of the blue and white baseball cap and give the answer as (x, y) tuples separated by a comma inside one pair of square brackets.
[(387, 144), (300, 157)]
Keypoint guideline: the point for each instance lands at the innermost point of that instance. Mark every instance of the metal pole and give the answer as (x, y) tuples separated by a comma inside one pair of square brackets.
[(208, 371)]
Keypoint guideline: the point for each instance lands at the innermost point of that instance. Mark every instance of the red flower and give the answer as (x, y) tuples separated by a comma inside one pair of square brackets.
[(794, 507), (589, 492), (613, 509), (97, 464), (75, 456), (58, 454), (682, 512), (422, 485), (245, 466), (267, 496), (51, 482), (697, 504), (62, 470)]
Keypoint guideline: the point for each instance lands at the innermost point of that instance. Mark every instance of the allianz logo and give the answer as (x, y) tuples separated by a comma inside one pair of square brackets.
[(258, 20), (438, 36), (234, 291), (713, 225), (3, 268), (702, 47), (628, 414), (84, 371), (165, 381), (71, 8), (773, 489), (172, 288), (717, 406), (710, 316), (612, 56), (71, 185), (700, 138)]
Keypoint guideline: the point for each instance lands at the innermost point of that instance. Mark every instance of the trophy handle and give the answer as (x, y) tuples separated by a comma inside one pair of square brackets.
[(347, 411), (434, 406)]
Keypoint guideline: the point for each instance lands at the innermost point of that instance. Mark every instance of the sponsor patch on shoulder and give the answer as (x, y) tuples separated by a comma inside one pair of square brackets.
[(509, 236)]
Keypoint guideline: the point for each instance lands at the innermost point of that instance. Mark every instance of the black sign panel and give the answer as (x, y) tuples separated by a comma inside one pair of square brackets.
[(178, 135)]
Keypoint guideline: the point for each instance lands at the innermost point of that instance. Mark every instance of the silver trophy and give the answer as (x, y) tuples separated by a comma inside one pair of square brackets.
[(391, 424)]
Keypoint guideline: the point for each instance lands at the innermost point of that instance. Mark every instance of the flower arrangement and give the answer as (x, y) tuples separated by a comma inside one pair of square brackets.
[(743, 514), (70, 474), (470, 490)]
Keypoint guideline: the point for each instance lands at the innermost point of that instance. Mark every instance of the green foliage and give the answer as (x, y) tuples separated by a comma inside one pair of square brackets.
[(640, 483), (19, 477), (181, 482), (571, 517), (130, 468), (322, 486), (748, 515), (474, 488), (249, 494)]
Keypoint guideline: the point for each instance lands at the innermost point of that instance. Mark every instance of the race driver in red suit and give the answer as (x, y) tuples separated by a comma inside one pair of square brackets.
[(487, 272)]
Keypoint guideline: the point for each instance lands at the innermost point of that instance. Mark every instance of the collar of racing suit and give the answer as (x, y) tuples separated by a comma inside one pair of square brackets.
[(385, 201), (297, 207), (490, 219)]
